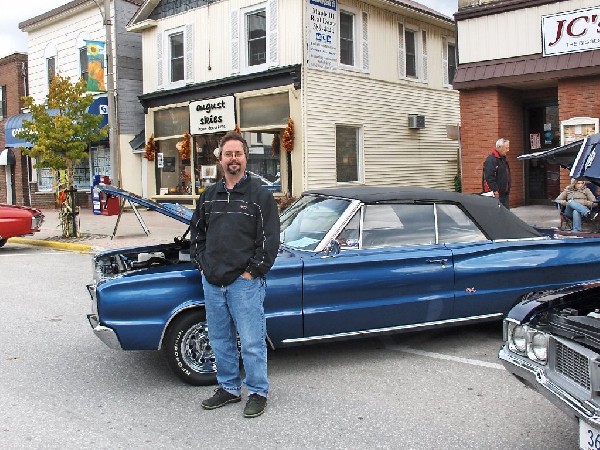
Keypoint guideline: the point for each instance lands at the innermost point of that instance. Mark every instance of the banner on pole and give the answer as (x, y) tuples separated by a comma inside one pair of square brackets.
[(96, 50)]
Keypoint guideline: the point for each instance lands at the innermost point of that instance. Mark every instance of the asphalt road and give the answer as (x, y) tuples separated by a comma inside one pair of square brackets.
[(62, 388)]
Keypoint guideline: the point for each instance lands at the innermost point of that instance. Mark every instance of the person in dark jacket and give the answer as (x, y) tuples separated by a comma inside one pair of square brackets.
[(496, 173), (234, 242)]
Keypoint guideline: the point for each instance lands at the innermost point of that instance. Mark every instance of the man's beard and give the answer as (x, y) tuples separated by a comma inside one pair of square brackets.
[(231, 171)]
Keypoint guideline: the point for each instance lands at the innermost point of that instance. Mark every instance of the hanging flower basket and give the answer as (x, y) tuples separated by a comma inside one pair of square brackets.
[(150, 149), (287, 139)]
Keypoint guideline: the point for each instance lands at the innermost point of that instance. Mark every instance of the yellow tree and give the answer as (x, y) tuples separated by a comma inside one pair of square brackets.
[(60, 131)]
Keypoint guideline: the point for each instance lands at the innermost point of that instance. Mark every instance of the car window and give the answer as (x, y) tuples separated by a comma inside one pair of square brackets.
[(396, 225), (350, 235), (455, 226), (307, 221)]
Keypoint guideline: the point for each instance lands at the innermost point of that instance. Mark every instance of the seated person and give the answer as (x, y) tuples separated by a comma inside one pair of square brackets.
[(578, 201)]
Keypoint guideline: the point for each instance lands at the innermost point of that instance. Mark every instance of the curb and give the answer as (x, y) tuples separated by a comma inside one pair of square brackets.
[(67, 246)]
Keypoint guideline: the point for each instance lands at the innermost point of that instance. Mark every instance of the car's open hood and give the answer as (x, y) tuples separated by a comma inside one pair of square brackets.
[(173, 210)]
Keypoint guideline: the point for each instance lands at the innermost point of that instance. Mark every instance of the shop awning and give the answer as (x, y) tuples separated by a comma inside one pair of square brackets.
[(7, 157), (14, 124), (139, 141), (564, 155)]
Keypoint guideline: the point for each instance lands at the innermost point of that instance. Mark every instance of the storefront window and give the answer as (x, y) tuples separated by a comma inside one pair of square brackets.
[(206, 165), (171, 122), (265, 110), (264, 162), (45, 180)]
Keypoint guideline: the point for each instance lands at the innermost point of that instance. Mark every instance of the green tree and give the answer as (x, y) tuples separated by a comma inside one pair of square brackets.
[(61, 138)]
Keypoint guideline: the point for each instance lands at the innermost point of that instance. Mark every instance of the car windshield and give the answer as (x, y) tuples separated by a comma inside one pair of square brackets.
[(307, 221)]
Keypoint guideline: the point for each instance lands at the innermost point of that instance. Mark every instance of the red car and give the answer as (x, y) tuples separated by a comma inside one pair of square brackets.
[(18, 220)]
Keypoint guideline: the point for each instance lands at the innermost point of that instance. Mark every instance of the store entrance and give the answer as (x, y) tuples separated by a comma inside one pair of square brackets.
[(542, 132)]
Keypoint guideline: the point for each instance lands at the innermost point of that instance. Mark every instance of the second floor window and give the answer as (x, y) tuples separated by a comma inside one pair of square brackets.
[(451, 61), (346, 38), (3, 102), (176, 56), (50, 68), (83, 63), (256, 26), (410, 48)]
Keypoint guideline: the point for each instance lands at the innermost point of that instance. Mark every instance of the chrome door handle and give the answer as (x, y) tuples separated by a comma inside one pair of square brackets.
[(442, 261)]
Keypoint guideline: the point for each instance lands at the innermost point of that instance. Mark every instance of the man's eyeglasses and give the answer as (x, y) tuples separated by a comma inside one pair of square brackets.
[(229, 155)]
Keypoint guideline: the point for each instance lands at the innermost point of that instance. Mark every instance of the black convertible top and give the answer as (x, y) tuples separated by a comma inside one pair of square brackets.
[(496, 221)]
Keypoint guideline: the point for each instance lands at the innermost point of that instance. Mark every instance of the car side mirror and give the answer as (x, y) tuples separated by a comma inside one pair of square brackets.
[(332, 249)]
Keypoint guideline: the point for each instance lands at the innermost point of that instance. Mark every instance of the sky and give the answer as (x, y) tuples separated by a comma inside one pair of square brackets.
[(14, 40)]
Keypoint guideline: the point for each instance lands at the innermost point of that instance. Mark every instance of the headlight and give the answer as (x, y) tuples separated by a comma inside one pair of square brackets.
[(526, 341), (537, 346), (517, 337)]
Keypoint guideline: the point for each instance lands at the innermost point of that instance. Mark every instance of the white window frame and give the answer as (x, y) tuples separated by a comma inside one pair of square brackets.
[(360, 176), (168, 51), (446, 41), (81, 44), (420, 52), (360, 39), (50, 52), (244, 13)]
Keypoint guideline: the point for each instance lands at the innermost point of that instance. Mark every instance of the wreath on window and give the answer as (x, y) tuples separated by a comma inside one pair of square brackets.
[(183, 146), (150, 149), (288, 136)]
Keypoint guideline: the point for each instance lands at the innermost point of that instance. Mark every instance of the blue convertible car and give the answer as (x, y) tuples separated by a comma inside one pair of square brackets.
[(353, 262)]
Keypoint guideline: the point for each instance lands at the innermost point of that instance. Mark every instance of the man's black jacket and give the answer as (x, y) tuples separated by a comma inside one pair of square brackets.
[(235, 230)]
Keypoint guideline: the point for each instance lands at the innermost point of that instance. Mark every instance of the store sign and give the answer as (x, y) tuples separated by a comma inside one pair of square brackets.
[(570, 32), (322, 34), (212, 116)]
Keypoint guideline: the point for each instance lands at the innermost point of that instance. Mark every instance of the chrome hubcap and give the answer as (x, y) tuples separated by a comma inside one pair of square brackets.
[(196, 350)]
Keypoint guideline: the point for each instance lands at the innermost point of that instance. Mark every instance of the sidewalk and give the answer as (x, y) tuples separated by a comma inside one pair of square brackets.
[(96, 230)]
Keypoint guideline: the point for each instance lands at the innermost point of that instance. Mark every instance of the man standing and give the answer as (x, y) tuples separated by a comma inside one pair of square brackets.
[(496, 173), (234, 242)]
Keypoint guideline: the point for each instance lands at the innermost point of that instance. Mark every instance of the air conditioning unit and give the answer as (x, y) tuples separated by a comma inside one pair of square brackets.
[(416, 121)]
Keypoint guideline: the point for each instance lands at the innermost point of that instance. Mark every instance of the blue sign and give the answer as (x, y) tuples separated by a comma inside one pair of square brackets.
[(330, 4)]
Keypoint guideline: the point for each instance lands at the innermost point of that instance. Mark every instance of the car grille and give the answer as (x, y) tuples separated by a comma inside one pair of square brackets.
[(573, 365)]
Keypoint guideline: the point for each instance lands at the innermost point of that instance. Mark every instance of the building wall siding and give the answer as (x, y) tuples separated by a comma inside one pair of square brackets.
[(508, 34), (129, 73), (393, 153), (212, 40)]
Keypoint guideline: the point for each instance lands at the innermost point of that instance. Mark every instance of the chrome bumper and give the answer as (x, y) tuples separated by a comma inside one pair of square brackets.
[(535, 377), (105, 334)]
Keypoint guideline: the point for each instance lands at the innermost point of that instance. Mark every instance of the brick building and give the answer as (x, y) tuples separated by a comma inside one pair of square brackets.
[(528, 71), (14, 170)]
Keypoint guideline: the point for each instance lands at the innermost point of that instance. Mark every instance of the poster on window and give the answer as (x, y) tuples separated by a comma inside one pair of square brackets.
[(322, 34), (535, 141), (95, 66)]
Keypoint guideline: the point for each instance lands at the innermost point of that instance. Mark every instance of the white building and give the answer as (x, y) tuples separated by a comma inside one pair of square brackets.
[(56, 44), (367, 85)]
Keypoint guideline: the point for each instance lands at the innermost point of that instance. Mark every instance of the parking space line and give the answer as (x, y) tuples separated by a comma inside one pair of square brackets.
[(474, 362)]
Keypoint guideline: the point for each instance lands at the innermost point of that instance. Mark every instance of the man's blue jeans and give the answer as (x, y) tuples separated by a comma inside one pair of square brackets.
[(238, 307), (574, 211)]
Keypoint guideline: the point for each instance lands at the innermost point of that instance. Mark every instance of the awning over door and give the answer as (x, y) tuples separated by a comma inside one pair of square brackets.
[(7, 157), (14, 124)]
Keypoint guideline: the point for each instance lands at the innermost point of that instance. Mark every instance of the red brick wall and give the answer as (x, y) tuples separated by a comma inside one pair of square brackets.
[(577, 97), (487, 115), (11, 77)]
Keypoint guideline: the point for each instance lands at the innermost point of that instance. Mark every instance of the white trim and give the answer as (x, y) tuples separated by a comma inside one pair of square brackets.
[(167, 57), (360, 44), (243, 38), (421, 56)]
